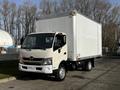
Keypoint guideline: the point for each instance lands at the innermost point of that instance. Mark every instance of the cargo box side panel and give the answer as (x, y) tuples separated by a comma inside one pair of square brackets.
[(87, 37), (60, 24)]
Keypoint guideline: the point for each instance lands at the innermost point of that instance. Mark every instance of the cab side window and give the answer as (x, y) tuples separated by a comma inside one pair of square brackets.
[(60, 41)]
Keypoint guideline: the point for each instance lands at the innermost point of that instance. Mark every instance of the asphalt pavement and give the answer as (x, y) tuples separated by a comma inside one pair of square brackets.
[(8, 57), (105, 76)]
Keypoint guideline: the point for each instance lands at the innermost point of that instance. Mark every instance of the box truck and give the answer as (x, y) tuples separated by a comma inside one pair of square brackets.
[(60, 43)]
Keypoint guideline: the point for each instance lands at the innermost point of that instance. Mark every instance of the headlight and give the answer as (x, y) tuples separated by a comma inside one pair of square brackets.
[(20, 59), (47, 61)]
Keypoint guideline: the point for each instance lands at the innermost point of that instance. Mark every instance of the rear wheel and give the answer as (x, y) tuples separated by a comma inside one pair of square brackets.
[(61, 73), (88, 66), (74, 66)]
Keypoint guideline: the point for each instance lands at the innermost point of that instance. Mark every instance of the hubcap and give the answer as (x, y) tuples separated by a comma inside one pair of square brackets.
[(89, 66), (62, 73)]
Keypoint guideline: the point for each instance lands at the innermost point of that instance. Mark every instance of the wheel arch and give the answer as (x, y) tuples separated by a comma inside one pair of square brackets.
[(64, 63)]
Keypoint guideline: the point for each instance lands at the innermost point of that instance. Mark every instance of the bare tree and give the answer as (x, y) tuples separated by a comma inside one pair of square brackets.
[(28, 14), (5, 12), (12, 17), (109, 37), (99, 10), (20, 20), (18, 26), (46, 7), (8, 12)]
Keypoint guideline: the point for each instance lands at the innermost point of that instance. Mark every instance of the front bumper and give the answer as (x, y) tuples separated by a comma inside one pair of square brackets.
[(46, 69)]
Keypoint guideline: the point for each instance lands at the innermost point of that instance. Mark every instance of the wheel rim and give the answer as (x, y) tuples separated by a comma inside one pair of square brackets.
[(89, 65), (62, 73)]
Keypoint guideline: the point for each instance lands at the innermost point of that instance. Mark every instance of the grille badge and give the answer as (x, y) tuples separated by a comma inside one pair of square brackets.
[(31, 58)]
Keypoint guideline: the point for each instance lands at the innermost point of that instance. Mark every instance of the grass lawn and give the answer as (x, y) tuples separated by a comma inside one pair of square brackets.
[(8, 69)]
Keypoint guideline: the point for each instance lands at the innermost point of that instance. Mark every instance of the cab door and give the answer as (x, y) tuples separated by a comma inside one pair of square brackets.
[(59, 50)]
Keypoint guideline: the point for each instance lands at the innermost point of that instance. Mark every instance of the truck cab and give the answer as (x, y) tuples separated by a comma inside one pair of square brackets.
[(44, 53)]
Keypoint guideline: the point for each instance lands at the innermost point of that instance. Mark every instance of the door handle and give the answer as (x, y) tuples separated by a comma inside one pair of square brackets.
[(65, 53)]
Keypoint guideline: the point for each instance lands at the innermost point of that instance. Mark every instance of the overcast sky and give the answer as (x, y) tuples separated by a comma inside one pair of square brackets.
[(18, 2), (115, 1)]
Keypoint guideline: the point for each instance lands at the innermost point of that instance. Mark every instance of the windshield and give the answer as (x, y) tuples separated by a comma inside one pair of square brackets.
[(38, 41)]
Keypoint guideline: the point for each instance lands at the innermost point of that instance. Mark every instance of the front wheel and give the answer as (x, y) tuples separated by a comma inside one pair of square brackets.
[(61, 73)]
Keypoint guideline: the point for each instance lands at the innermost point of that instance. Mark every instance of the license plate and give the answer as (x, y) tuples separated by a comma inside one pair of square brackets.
[(31, 68)]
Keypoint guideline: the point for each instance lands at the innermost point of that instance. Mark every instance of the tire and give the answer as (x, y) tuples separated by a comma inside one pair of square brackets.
[(74, 66), (61, 73), (88, 66)]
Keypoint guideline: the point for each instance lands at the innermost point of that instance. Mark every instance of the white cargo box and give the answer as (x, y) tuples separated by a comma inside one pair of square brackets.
[(84, 36)]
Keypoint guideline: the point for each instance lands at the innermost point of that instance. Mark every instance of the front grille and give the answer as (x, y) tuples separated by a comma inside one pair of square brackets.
[(32, 63), (33, 59)]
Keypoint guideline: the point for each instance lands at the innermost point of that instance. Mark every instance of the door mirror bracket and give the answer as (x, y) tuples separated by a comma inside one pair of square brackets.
[(59, 50)]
